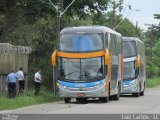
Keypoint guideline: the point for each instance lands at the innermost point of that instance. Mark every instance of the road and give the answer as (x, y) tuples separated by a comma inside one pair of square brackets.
[(149, 103)]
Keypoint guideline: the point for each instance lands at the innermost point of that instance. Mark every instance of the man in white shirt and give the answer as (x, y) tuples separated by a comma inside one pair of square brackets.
[(37, 82), (21, 80)]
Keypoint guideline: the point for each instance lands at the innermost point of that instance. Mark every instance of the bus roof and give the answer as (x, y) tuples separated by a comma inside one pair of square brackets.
[(132, 39), (88, 29)]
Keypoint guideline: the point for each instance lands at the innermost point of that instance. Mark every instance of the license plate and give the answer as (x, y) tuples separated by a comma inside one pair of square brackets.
[(81, 94)]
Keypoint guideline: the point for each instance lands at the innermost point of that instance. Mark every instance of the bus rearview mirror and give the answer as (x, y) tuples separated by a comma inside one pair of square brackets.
[(138, 62), (107, 57), (54, 58)]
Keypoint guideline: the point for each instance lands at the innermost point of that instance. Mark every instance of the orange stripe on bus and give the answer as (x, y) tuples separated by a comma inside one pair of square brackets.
[(80, 55), (109, 74), (122, 67), (109, 68), (107, 88)]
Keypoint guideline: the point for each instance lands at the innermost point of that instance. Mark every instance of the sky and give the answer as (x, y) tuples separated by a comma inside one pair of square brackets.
[(145, 15)]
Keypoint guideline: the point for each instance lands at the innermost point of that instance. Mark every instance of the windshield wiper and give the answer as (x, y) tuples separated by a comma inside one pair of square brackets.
[(70, 74)]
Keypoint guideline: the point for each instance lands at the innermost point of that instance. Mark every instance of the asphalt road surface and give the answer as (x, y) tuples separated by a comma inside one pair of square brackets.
[(149, 103)]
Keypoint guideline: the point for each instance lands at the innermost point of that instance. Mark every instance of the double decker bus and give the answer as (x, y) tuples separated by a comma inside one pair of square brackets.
[(88, 63), (134, 66)]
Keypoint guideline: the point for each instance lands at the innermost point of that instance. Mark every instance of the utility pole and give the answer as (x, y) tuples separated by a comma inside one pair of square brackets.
[(59, 13), (124, 18), (58, 21), (114, 13), (136, 28), (115, 5)]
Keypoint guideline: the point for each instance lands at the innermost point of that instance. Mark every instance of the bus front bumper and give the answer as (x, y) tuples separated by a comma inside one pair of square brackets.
[(90, 92), (130, 86)]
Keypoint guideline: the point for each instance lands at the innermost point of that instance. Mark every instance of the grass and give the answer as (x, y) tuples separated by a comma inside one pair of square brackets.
[(26, 100), (153, 82), (28, 97)]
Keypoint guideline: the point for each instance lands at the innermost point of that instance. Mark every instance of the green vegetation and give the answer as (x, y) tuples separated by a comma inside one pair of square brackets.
[(46, 97), (26, 100), (154, 82), (152, 42), (33, 23)]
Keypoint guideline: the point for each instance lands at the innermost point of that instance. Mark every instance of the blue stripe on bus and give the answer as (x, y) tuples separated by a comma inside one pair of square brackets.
[(77, 85), (127, 82)]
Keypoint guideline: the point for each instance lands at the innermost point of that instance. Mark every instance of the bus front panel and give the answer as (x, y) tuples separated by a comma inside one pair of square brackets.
[(84, 77), (130, 82)]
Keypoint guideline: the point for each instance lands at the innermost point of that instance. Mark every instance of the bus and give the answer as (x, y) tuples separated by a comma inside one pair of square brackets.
[(88, 63), (134, 66)]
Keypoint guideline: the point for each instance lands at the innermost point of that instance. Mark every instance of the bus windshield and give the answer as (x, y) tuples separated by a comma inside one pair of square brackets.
[(81, 42), (129, 70), (80, 69), (129, 48)]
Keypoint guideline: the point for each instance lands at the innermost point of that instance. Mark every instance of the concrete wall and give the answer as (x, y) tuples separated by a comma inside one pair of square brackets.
[(12, 58)]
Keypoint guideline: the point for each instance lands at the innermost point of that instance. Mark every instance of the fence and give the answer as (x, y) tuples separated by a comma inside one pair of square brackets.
[(12, 58)]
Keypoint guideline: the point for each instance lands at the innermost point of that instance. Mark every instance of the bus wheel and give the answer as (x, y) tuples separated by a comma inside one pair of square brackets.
[(104, 99), (142, 92), (67, 100), (81, 100), (138, 93)]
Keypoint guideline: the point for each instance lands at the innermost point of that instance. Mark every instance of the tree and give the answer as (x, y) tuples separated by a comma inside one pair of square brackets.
[(32, 23), (81, 8), (126, 28), (115, 5), (156, 16), (152, 52)]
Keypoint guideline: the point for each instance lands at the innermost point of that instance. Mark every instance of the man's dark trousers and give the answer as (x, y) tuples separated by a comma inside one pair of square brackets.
[(37, 88)]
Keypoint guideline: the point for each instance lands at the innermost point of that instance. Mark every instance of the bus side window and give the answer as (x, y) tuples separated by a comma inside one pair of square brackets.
[(115, 58), (119, 46)]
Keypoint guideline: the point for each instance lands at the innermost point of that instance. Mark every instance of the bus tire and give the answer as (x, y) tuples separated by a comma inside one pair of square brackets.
[(67, 100), (136, 94), (81, 100), (104, 99), (142, 92)]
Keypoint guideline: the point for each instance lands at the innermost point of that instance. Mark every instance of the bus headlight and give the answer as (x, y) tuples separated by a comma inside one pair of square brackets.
[(57, 84), (61, 86), (133, 83), (100, 85)]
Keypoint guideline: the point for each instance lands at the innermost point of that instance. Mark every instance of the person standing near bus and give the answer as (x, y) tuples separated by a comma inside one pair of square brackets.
[(21, 80), (11, 82), (37, 82)]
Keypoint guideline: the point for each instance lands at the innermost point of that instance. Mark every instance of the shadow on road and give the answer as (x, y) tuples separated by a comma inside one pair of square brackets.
[(97, 101), (128, 95), (91, 101)]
